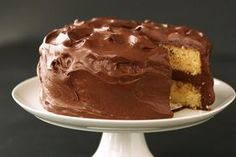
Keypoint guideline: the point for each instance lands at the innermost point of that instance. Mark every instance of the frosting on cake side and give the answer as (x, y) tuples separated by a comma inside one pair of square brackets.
[(104, 68)]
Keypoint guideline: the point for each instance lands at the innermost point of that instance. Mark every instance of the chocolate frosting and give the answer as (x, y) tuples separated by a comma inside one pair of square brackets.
[(111, 68), (104, 68)]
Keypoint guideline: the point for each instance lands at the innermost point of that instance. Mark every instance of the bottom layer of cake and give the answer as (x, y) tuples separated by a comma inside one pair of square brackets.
[(185, 94), (182, 93), (94, 97)]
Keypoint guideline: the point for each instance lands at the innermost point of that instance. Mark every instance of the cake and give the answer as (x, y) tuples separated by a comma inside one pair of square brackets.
[(118, 69)]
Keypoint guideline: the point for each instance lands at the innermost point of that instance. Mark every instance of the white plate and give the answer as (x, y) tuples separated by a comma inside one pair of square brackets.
[(26, 94)]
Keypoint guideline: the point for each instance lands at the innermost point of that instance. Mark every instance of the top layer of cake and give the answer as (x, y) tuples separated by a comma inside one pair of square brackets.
[(118, 32)]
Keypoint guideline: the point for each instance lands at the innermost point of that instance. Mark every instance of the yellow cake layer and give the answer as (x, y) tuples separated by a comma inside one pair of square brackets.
[(185, 94), (184, 59)]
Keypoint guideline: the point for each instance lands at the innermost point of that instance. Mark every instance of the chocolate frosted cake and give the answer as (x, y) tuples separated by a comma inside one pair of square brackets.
[(118, 69)]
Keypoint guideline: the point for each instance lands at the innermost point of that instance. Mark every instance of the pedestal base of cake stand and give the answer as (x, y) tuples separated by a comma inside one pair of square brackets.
[(123, 145), (121, 138)]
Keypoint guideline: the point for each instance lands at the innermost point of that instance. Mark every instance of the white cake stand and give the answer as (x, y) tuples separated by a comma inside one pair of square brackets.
[(121, 138)]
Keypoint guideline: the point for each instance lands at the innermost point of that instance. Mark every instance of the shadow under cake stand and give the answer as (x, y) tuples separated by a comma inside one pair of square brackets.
[(121, 138)]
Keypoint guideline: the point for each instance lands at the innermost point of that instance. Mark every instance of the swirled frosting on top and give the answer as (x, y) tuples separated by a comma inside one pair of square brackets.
[(98, 45)]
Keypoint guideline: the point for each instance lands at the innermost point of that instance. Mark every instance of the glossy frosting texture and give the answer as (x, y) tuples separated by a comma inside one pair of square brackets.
[(104, 68), (117, 69)]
